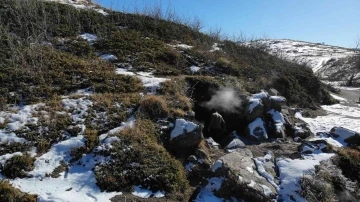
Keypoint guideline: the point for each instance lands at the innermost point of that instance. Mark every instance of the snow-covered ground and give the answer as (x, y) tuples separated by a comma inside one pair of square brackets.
[(345, 115), (320, 57)]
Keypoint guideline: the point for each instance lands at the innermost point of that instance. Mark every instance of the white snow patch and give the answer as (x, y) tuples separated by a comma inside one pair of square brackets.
[(261, 95), (261, 170), (5, 157), (124, 71), (108, 57), (215, 47), (206, 194), (89, 37), (253, 103), (278, 98), (216, 165), (145, 193), (258, 124), (58, 152), (182, 46), (338, 97), (181, 127), (194, 69), (291, 171)]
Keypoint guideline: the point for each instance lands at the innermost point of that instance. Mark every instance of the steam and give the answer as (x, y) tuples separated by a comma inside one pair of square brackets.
[(226, 100)]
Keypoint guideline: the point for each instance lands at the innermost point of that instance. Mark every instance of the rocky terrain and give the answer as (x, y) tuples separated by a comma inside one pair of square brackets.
[(98, 105)]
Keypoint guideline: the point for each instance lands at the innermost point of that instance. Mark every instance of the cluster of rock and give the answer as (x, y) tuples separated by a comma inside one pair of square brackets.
[(265, 117)]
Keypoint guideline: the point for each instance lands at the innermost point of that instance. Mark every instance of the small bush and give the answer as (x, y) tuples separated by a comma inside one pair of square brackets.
[(138, 159), (92, 139), (18, 165), (154, 107), (349, 162), (10, 194)]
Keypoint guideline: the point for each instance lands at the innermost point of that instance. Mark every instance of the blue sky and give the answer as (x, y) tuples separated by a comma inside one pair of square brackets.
[(334, 22)]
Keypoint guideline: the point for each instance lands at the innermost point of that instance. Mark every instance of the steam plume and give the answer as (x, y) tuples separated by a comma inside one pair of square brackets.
[(226, 100)]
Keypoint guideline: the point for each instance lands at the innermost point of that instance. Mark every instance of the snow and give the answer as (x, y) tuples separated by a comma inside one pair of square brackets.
[(124, 71), (206, 194), (145, 193), (194, 69), (181, 127), (181, 46), (278, 98), (77, 183), (81, 4), (292, 170), (319, 57), (338, 97), (89, 37), (276, 116), (216, 165), (257, 123), (46, 163), (211, 142), (150, 82), (108, 57), (78, 107), (253, 103), (261, 95), (215, 47), (6, 137), (5, 157), (261, 170), (267, 190)]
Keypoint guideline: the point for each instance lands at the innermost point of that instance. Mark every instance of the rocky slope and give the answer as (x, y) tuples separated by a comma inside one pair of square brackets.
[(328, 62), (108, 106)]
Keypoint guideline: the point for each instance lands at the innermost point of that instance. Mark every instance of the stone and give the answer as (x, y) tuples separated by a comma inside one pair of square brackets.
[(235, 144), (185, 137), (241, 163), (256, 130)]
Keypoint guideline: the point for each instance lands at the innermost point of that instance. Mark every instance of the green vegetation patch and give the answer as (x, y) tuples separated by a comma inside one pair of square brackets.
[(138, 159), (18, 165)]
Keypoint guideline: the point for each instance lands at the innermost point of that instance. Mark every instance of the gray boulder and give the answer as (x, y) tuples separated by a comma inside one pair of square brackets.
[(241, 164), (185, 136)]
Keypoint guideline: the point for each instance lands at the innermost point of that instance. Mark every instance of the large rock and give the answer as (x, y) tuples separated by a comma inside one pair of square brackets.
[(345, 136), (241, 164), (256, 130), (185, 137)]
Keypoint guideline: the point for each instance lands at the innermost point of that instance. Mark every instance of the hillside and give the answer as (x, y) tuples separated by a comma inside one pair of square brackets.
[(328, 62), (99, 105)]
